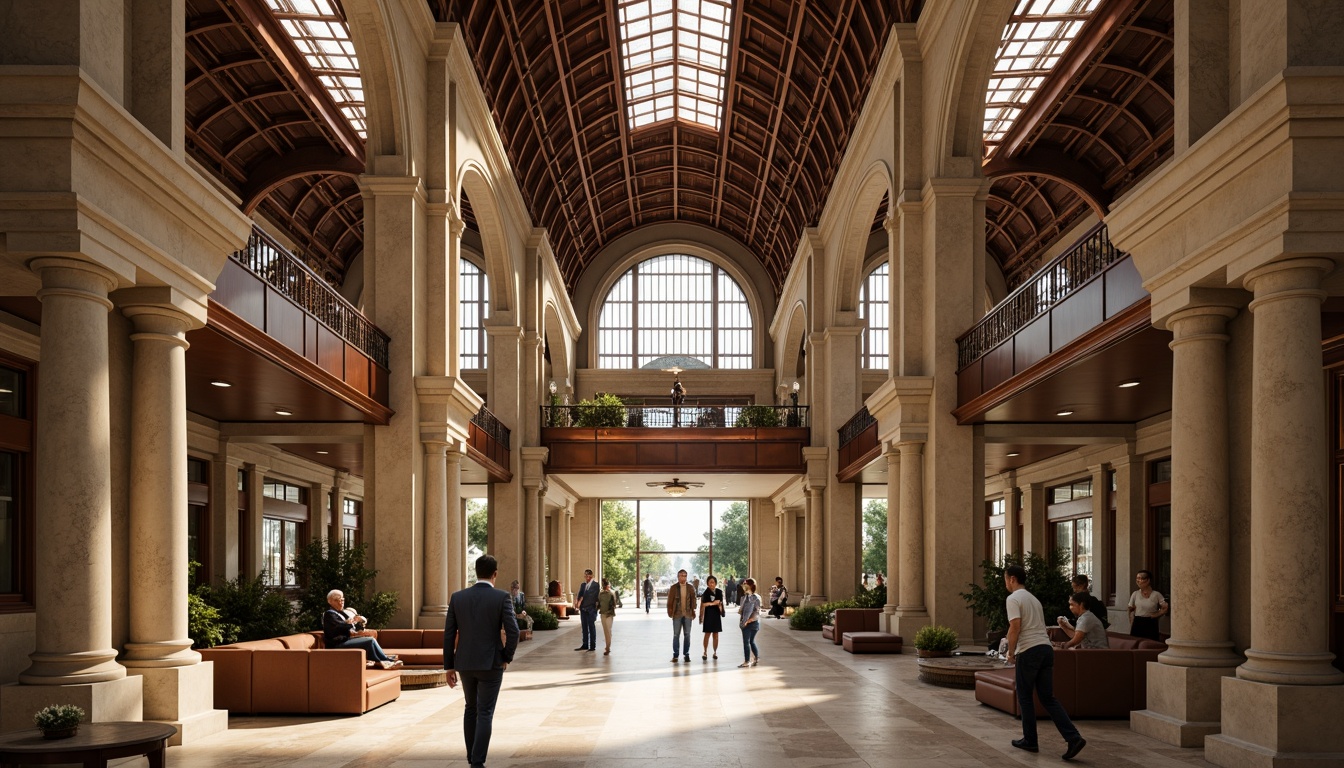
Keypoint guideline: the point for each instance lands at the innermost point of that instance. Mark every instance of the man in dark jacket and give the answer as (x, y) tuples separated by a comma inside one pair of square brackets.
[(585, 602), (472, 651)]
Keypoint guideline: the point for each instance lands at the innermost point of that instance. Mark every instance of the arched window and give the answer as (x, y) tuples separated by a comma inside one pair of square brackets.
[(473, 308), (674, 305), (874, 299)]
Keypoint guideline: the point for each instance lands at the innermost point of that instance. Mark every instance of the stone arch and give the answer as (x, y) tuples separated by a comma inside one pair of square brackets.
[(794, 333), (474, 182), (375, 33), (862, 208), (961, 122), (557, 341)]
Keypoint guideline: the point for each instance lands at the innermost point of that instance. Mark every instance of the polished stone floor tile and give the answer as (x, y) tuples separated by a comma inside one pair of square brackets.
[(809, 705)]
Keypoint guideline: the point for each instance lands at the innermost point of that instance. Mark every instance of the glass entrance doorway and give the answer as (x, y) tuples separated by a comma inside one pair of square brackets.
[(655, 538)]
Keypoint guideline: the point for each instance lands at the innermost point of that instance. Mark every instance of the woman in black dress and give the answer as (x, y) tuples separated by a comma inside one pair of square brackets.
[(711, 615)]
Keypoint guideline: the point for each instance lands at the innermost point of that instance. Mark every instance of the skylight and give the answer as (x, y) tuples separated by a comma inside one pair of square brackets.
[(1037, 35), (321, 35), (675, 56)]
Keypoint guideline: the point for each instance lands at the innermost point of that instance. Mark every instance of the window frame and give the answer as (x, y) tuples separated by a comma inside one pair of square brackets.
[(17, 437), (482, 304), (867, 305)]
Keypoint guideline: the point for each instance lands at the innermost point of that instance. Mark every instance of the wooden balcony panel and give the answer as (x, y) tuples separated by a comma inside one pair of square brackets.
[(1032, 343), (1082, 311), (730, 449), (1124, 287), (997, 365), (858, 453), (489, 453)]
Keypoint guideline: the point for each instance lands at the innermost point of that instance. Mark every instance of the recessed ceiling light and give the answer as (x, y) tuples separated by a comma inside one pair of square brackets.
[(1014, 454), (4, 391), (1128, 384), (1065, 412), (283, 412), (220, 383), (323, 453)]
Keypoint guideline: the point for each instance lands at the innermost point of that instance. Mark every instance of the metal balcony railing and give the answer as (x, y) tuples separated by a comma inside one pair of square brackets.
[(284, 272), (492, 426), (674, 416), (855, 426), (1090, 256)]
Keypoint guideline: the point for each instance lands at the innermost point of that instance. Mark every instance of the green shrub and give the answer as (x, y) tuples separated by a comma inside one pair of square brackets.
[(936, 638), (758, 416), (559, 414), (205, 625), (249, 610), (808, 618), (543, 619), (605, 411), (871, 598), (1046, 580), (321, 567), (58, 717)]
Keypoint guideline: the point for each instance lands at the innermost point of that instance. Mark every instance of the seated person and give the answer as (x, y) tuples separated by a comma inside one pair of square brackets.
[(1082, 586), (339, 630), (516, 595), (1089, 632)]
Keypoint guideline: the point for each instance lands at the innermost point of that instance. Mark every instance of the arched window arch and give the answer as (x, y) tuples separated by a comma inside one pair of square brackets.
[(473, 308), (874, 302), (675, 305)]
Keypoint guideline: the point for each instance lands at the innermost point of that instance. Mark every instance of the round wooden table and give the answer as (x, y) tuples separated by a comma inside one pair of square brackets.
[(93, 746), (955, 671), (412, 679)]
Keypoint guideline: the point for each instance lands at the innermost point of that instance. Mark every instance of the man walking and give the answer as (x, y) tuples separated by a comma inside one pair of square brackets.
[(472, 651), (585, 602), (681, 609), (1029, 645), (730, 590), (648, 593)]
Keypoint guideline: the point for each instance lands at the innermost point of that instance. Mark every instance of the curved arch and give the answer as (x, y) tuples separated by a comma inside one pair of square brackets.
[(862, 207), (474, 183), (557, 342), (963, 118), (263, 179), (794, 333), (1056, 166), (375, 34)]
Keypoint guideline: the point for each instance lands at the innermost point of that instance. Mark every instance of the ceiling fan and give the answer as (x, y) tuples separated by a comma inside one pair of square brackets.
[(676, 487)]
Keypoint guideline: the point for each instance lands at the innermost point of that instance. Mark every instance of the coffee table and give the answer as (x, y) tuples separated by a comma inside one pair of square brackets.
[(93, 746), (955, 671), (412, 679)]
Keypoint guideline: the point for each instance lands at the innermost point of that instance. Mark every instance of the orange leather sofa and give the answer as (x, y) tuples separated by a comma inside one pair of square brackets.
[(1109, 682), (293, 674)]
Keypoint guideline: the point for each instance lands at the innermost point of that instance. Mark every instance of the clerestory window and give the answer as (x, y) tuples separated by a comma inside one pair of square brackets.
[(874, 302), (473, 309), (319, 31), (674, 54), (675, 305)]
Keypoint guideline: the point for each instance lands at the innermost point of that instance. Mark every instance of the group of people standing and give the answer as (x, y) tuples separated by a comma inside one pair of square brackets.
[(682, 608)]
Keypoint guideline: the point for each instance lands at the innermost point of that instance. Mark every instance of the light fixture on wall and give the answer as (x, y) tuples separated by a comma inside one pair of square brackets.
[(676, 487), (552, 387)]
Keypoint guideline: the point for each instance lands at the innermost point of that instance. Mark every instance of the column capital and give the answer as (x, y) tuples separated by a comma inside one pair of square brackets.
[(74, 277), (1288, 278), (911, 447), (152, 307)]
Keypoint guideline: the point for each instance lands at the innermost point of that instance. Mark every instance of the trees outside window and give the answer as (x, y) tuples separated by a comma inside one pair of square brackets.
[(875, 536)]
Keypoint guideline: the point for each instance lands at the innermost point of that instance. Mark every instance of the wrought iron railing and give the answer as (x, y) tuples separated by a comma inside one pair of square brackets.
[(1086, 259), (492, 426), (284, 272), (855, 426), (674, 416)]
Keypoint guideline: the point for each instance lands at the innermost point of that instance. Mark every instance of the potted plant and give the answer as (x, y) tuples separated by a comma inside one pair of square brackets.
[(58, 721), (758, 416), (1046, 580), (935, 640), (605, 411)]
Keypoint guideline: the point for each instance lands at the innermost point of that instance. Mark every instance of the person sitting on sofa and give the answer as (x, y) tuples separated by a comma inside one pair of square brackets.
[(1081, 586), (340, 630), (519, 602), (1089, 632)]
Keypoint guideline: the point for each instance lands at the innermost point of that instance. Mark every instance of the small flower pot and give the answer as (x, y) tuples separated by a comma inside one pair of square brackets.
[(925, 654), (60, 733)]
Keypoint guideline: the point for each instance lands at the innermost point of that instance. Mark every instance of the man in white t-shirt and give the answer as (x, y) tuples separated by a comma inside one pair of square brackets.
[(1029, 646)]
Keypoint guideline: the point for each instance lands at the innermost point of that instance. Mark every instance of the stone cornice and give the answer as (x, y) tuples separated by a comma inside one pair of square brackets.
[(901, 407)]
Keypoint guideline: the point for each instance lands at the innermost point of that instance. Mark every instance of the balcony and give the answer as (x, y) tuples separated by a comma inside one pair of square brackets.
[(858, 445), (488, 444), (706, 438)]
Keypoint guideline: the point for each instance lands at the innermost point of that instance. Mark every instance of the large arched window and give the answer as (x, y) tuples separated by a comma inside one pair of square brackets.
[(874, 300), (675, 305), (473, 308)]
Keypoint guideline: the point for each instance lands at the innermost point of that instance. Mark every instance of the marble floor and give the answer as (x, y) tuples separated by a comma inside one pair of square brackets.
[(809, 704)]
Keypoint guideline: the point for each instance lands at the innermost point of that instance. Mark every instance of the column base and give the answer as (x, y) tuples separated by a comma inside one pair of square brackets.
[(1272, 726), (810, 600), (431, 617), (886, 621), (104, 701), (183, 697), (1184, 704), (908, 622)]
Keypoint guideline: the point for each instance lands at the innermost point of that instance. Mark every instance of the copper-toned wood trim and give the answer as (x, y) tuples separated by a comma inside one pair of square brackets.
[(854, 470), (857, 453), (256, 340), (1121, 326), (733, 449), (496, 472)]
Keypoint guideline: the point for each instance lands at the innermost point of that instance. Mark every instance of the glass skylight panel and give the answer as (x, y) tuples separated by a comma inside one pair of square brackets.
[(321, 35), (1037, 35), (675, 57)]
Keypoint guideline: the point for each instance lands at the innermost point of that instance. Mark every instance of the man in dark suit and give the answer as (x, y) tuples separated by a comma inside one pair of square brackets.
[(472, 651), (585, 602)]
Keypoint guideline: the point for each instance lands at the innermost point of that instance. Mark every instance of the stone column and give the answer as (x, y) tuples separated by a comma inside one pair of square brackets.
[(1034, 537), (1012, 516), (337, 527), (815, 584), (178, 688), (1103, 545), (911, 613), (1183, 690), (533, 586), (567, 552), (457, 531), (224, 552), (1286, 698), (321, 514), (256, 503), (435, 607), (893, 455), (73, 565)]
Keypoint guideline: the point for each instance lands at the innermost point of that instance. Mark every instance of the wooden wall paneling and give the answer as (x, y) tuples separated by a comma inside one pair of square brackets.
[(1077, 314), (736, 455), (356, 369), (284, 320), (998, 365), (377, 380), (242, 293), (780, 455), (657, 454), (614, 454), (1124, 286), (969, 381), (1032, 344), (331, 352), (311, 328)]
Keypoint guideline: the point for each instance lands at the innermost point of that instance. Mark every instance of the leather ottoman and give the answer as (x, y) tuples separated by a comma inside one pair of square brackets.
[(871, 642)]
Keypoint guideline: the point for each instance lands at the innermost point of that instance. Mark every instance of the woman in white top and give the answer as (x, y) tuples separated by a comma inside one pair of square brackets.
[(1146, 606)]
